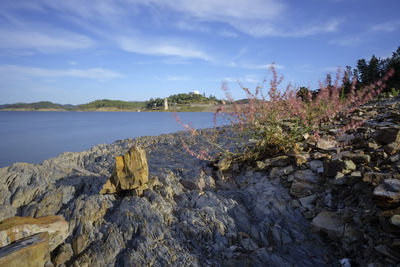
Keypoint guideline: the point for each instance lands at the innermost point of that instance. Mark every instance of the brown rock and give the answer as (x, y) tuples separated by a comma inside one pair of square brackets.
[(64, 253), (131, 172), (16, 228), (30, 251)]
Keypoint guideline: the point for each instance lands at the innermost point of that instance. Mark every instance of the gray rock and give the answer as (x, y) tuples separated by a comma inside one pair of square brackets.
[(329, 223), (304, 183), (387, 135), (387, 194)]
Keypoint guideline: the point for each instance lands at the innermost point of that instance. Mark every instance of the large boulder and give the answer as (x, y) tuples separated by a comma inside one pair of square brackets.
[(17, 227), (131, 173), (29, 251)]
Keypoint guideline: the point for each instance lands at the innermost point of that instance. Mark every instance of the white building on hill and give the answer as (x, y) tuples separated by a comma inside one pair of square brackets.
[(194, 93)]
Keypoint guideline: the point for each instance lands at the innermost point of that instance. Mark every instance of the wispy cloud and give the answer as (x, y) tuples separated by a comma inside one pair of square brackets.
[(161, 47), (346, 41), (250, 78), (93, 73), (43, 41), (389, 26)]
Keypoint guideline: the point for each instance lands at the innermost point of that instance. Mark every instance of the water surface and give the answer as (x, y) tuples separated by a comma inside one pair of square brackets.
[(29, 136)]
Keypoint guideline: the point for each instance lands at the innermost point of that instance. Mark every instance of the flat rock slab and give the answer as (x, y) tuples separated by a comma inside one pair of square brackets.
[(15, 228), (30, 251)]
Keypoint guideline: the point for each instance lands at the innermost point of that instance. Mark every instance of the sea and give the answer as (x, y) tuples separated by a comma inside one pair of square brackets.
[(34, 136)]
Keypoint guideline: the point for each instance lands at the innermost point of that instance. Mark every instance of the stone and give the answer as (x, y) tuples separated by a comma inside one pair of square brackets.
[(131, 172), (324, 144), (16, 228), (387, 135), (387, 193), (279, 172), (28, 251), (280, 161), (308, 201), (375, 178), (349, 166), (331, 168), (395, 220), (329, 223), (316, 165), (304, 183), (358, 157), (301, 158), (63, 254), (224, 163)]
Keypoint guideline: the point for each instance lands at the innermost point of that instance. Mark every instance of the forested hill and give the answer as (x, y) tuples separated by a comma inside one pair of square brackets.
[(42, 105)]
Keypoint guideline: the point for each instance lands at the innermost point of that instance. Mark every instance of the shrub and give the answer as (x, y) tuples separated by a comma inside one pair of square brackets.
[(276, 120)]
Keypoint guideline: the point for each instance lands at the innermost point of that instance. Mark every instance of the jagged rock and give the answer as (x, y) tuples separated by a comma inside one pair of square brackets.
[(387, 193), (29, 251), (16, 228), (329, 223), (63, 254), (387, 135), (131, 172), (304, 183)]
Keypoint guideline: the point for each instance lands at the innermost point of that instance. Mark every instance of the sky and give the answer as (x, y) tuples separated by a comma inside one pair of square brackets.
[(77, 51)]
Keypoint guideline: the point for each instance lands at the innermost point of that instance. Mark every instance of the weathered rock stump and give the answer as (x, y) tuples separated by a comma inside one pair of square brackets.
[(131, 172)]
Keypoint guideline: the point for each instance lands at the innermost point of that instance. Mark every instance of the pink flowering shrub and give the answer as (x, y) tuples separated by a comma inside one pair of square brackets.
[(275, 120)]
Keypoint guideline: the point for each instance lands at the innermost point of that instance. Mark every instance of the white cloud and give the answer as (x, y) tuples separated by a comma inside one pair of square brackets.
[(389, 26), (262, 66), (43, 41), (161, 47), (23, 71)]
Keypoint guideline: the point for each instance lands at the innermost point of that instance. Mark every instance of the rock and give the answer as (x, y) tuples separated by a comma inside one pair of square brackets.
[(329, 223), (358, 157), (63, 254), (387, 135), (375, 178), (395, 220), (387, 193), (29, 251), (316, 166), (331, 168), (279, 161), (224, 163), (308, 202), (324, 144), (131, 172), (16, 228), (279, 172), (301, 158), (304, 183), (349, 166)]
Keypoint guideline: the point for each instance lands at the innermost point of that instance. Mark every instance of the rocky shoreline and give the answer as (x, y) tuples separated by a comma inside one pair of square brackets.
[(337, 201)]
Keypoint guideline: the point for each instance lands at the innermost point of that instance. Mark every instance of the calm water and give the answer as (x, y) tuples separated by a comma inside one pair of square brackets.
[(35, 136)]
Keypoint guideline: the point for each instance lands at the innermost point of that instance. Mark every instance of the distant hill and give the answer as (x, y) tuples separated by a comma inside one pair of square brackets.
[(118, 104), (42, 105)]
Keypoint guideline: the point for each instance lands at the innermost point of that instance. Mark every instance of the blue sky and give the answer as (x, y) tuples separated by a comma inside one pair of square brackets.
[(76, 51)]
